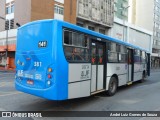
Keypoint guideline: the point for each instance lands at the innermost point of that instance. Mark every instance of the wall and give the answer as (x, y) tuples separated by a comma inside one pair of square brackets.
[(2, 14), (141, 13), (22, 11), (144, 14), (133, 34), (96, 11), (70, 11), (42, 9)]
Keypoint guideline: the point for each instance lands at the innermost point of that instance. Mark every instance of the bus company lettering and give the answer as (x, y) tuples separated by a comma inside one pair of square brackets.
[(85, 72), (20, 73), (38, 76), (29, 76)]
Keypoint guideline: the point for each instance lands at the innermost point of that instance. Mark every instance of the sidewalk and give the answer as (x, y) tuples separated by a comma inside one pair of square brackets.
[(2, 69), (155, 70)]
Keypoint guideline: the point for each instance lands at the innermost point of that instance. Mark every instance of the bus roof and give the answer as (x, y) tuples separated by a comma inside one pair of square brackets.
[(84, 30)]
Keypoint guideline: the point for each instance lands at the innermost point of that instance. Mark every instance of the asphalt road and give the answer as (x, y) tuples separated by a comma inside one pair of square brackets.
[(137, 97)]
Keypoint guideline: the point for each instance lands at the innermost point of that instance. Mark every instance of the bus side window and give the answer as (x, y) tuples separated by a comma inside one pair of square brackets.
[(68, 52), (143, 57), (67, 37), (137, 56), (123, 54), (112, 53), (76, 54), (129, 58), (76, 46)]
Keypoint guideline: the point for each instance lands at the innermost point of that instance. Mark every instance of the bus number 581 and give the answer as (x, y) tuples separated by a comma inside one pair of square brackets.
[(37, 64)]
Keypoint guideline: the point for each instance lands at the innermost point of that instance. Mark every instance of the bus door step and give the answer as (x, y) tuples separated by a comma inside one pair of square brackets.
[(129, 83), (92, 93)]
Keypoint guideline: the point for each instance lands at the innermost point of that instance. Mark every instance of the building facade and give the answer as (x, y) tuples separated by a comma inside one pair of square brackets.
[(95, 15), (130, 33), (121, 9), (146, 14), (24, 11), (91, 14)]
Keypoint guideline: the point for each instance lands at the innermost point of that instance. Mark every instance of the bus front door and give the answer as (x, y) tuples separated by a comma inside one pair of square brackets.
[(98, 66), (130, 65)]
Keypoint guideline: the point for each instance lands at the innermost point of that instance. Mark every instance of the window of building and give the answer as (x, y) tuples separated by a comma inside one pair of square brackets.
[(60, 1), (102, 31), (154, 42), (156, 17), (156, 25), (59, 9), (91, 28), (12, 8), (9, 24), (80, 24), (12, 24), (8, 10)]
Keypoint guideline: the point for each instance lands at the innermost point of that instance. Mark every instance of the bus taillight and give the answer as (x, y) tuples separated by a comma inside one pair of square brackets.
[(48, 82), (49, 69), (49, 76)]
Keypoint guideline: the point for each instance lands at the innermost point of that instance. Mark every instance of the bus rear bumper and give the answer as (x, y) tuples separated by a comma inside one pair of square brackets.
[(48, 93)]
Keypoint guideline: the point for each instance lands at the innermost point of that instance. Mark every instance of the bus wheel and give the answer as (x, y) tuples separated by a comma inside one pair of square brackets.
[(112, 86)]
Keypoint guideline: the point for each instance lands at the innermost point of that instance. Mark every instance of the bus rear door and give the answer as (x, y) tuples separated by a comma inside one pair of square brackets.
[(98, 66)]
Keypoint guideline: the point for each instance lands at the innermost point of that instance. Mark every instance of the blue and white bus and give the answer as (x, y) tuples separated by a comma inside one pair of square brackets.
[(57, 60)]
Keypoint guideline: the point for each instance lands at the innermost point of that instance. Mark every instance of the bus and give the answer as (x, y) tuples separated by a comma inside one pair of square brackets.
[(57, 60)]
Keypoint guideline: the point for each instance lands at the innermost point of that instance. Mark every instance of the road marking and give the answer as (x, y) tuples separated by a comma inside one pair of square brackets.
[(5, 83), (2, 85), (8, 77), (13, 93), (7, 73)]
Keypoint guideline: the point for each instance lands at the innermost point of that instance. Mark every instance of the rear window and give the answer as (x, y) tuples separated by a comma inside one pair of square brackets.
[(34, 37)]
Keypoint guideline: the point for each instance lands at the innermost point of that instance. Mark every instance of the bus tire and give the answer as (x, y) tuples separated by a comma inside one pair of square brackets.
[(112, 88)]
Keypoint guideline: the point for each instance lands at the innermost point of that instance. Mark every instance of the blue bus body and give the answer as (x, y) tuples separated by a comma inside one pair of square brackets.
[(34, 60)]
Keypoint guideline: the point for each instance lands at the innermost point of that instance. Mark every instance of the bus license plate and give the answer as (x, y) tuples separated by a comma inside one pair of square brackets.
[(30, 82)]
